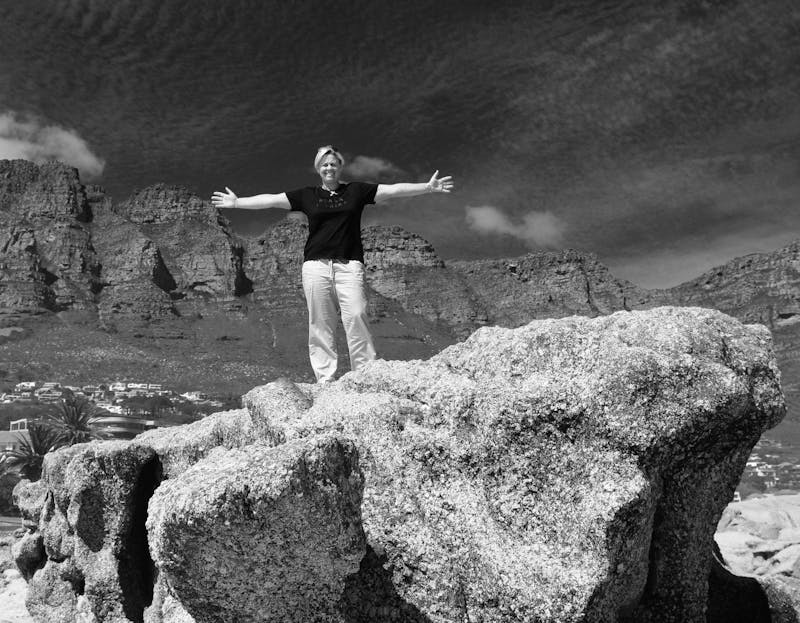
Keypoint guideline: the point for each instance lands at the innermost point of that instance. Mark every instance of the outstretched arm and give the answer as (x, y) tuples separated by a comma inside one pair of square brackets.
[(256, 202), (434, 185)]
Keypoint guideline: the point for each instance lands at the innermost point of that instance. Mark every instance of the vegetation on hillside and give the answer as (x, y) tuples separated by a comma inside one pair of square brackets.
[(74, 420)]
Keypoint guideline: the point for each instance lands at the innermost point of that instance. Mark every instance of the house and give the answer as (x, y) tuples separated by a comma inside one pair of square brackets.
[(13, 438)]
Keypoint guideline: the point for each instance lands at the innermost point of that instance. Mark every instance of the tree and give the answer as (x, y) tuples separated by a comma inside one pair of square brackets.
[(28, 458), (75, 421)]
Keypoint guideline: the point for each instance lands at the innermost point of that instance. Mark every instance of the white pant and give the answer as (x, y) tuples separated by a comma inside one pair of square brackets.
[(331, 286)]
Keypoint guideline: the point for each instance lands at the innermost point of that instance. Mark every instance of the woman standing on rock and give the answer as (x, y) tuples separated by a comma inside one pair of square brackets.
[(333, 260)]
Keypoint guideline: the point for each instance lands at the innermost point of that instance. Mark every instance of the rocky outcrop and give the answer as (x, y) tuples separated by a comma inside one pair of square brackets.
[(46, 254), (760, 287), (403, 267), (274, 263), (24, 286), (759, 541), (289, 516), (549, 285), (66, 247), (179, 448), (40, 193), (763, 288), (94, 561), (198, 249), (761, 536), (136, 284), (567, 470)]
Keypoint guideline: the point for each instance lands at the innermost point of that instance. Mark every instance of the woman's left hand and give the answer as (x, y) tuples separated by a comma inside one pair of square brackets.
[(440, 184)]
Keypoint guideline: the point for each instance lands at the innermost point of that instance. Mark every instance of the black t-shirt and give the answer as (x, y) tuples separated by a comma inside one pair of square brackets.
[(334, 219)]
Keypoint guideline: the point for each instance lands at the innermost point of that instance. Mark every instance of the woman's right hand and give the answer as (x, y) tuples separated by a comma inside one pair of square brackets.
[(224, 200)]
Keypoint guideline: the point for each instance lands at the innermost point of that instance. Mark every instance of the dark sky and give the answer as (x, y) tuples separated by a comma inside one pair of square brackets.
[(664, 136)]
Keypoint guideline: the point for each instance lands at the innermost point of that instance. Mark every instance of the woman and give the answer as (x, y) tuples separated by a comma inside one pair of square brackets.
[(333, 260)]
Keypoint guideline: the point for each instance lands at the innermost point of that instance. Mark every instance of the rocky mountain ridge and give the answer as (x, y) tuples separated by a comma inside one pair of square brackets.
[(165, 264)]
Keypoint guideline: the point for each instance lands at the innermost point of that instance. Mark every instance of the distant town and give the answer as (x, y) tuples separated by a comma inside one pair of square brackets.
[(119, 410), (113, 398)]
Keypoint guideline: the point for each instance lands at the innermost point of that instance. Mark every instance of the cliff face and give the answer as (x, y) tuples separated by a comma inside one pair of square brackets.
[(404, 268), (761, 287), (47, 256), (548, 285), (66, 247), (194, 240)]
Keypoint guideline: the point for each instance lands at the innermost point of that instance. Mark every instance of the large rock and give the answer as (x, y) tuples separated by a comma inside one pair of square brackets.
[(180, 447), (95, 561), (568, 470), (759, 538), (261, 533), (29, 498)]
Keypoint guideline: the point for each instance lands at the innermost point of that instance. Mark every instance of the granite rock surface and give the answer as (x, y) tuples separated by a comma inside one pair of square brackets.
[(567, 470), (94, 564), (261, 533)]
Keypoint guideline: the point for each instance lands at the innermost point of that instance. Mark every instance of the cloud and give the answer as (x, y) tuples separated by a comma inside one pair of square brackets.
[(373, 168), (537, 229), (32, 140)]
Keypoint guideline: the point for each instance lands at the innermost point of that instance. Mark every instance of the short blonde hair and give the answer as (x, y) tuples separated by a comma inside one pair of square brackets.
[(324, 151)]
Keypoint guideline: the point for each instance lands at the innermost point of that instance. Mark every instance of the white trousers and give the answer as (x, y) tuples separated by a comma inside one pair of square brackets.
[(332, 287)]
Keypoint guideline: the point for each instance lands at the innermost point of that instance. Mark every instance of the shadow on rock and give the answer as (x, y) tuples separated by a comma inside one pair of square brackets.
[(370, 597)]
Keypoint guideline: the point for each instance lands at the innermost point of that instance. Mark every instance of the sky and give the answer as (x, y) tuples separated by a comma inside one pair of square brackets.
[(664, 137)]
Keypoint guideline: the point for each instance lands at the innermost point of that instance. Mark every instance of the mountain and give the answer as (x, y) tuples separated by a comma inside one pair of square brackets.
[(159, 287)]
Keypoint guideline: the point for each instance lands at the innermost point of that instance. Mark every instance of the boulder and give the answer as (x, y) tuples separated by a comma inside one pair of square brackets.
[(180, 447), (94, 561), (261, 533), (28, 554), (268, 422), (29, 497), (165, 608), (773, 517), (568, 470), (758, 537)]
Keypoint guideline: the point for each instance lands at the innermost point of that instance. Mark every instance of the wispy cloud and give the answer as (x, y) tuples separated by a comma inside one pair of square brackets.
[(373, 168), (537, 229), (31, 139)]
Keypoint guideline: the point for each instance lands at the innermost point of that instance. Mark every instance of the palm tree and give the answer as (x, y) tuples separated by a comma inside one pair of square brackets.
[(75, 421), (28, 458)]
